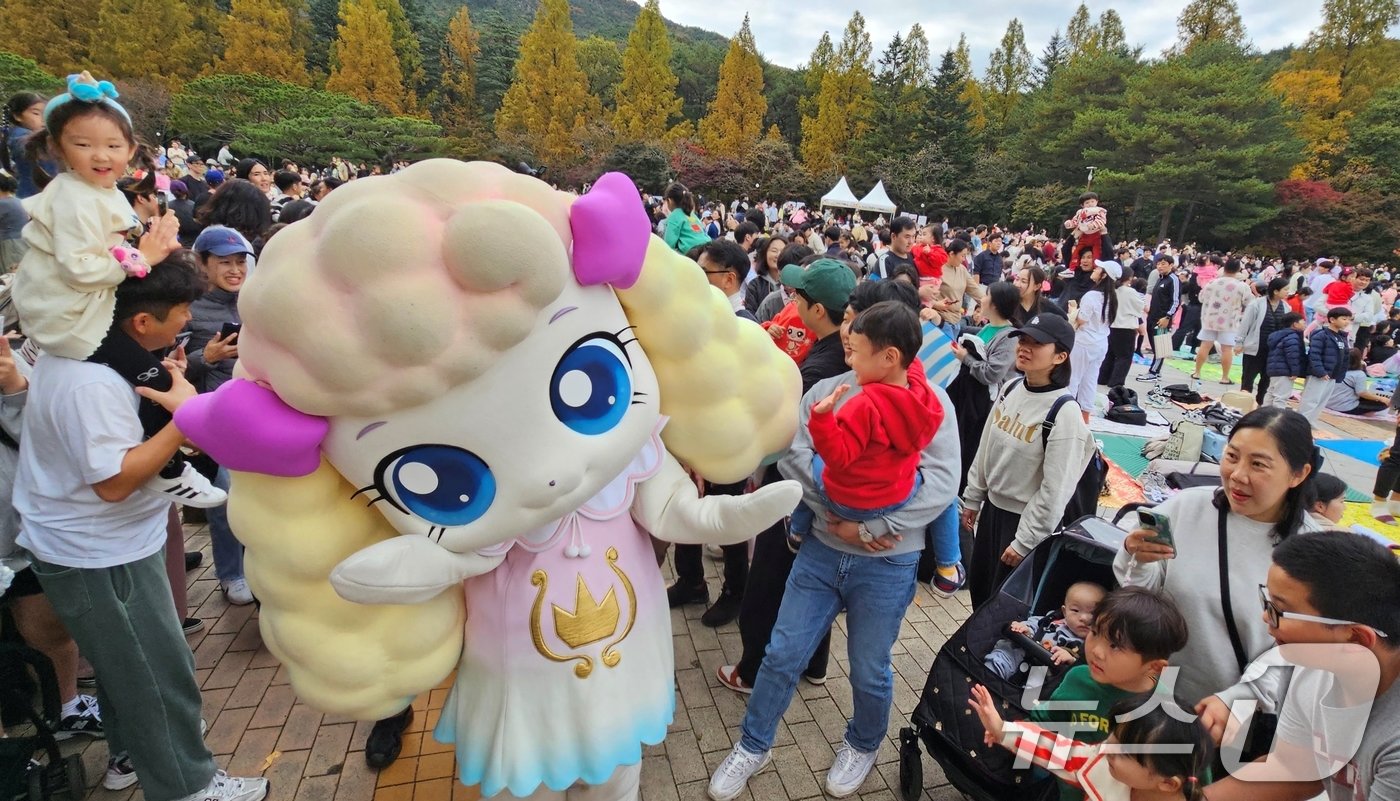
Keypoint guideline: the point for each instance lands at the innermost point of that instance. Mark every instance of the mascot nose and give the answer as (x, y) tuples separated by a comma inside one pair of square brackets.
[(552, 490)]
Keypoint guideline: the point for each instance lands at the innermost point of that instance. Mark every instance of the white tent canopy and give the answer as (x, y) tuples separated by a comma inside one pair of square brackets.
[(840, 196), (876, 200)]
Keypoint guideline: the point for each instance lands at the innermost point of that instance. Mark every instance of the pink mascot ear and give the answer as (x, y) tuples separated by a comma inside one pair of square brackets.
[(244, 426), (611, 231)]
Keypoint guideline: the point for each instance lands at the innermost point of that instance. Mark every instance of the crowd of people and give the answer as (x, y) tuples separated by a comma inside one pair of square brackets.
[(127, 270)]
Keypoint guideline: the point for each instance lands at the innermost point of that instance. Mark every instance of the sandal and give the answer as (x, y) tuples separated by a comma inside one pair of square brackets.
[(728, 675), (1227, 382), (1195, 378)]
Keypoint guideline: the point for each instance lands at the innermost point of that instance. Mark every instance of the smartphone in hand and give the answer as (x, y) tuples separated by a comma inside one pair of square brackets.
[(1157, 522), (229, 330)]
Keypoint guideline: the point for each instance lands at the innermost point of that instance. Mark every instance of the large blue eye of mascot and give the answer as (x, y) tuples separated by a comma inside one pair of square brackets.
[(465, 400)]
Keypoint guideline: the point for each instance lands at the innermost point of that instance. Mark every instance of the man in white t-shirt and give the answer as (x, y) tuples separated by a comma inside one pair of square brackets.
[(98, 545)]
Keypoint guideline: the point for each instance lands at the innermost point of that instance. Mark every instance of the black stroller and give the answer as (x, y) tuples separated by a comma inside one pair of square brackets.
[(943, 721), (31, 766)]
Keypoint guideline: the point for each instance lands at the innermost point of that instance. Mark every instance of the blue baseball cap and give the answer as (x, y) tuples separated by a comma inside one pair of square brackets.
[(221, 241)]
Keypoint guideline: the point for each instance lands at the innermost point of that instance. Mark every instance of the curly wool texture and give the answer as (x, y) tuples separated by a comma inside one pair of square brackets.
[(425, 277), (731, 395), (365, 661)]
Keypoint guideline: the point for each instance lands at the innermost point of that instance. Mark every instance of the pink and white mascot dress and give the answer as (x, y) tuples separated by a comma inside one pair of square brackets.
[(465, 400)]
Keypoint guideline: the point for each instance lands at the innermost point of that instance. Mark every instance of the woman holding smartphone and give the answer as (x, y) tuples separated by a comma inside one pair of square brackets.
[(1219, 552), (223, 255)]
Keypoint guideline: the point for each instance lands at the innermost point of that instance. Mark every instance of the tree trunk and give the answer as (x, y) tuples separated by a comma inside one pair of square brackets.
[(1165, 225), (1190, 211), (1132, 226)]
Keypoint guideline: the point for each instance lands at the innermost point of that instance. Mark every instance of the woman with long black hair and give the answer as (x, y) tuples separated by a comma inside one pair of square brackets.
[(23, 115)]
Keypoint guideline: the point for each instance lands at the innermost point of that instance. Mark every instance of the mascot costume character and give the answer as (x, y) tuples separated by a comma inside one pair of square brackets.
[(463, 401)]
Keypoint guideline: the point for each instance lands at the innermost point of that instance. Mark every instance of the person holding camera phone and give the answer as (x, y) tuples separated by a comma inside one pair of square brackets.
[(1210, 548), (222, 254)]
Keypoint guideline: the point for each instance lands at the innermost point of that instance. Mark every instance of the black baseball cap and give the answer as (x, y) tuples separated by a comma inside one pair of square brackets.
[(1048, 328)]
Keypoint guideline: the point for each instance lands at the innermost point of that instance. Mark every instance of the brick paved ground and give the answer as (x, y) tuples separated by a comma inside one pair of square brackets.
[(257, 727)]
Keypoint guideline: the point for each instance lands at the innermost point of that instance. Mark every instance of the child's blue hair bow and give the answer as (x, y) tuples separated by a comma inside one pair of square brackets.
[(87, 89)]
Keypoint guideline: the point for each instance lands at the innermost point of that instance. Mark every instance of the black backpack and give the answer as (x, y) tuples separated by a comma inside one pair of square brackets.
[(1084, 501)]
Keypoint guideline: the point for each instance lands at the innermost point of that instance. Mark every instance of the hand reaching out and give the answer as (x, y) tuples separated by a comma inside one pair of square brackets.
[(161, 240), (828, 404), (1020, 628), (986, 709)]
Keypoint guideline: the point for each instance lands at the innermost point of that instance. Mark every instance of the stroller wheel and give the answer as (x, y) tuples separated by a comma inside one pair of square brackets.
[(76, 777), (911, 765)]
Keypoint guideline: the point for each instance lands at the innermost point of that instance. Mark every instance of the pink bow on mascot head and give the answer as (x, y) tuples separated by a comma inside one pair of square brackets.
[(245, 426)]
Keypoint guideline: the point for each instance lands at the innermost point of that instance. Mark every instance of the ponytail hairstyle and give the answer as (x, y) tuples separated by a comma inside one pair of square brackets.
[(1136, 731), (9, 118), (680, 197), (1293, 435), (1109, 289)]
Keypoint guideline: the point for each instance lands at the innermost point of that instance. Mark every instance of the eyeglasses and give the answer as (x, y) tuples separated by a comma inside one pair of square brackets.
[(1275, 615)]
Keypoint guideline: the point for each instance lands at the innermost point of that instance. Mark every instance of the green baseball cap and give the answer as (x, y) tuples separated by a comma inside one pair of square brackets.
[(826, 281)]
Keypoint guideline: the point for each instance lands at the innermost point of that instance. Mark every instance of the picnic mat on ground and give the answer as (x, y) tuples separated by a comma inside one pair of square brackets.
[(1366, 451), (1123, 489), (1210, 374), (1376, 428), (1125, 452), (1359, 514), (1383, 416), (1099, 425)]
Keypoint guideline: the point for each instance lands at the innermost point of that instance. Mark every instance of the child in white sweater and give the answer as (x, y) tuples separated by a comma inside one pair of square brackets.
[(78, 235)]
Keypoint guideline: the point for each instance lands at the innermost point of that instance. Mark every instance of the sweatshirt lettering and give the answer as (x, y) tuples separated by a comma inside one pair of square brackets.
[(1012, 425)]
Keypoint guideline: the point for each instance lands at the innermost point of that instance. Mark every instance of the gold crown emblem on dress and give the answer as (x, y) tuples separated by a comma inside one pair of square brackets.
[(590, 621)]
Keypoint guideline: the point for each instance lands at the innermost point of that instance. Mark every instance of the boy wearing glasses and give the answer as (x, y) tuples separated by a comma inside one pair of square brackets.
[(1340, 720)]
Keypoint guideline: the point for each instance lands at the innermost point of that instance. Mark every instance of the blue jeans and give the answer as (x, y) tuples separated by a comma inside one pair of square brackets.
[(875, 591), (801, 521), (942, 536), (228, 551)]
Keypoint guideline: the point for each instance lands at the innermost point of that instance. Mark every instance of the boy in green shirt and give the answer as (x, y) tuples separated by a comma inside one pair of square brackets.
[(1135, 631)]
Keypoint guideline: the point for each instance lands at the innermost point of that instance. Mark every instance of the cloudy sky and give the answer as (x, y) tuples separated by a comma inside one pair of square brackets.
[(787, 32)]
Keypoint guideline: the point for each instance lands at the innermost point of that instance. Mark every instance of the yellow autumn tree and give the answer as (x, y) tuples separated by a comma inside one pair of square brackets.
[(152, 39), (458, 110), (972, 93), (367, 67), (646, 96), (735, 119), (548, 106), (1330, 79), (845, 104), (55, 35), (258, 41)]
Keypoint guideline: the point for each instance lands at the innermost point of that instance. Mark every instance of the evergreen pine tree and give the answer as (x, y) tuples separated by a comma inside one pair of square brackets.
[(258, 41), (949, 120), (367, 68), (547, 106), (1051, 59), (735, 118), (646, 98)]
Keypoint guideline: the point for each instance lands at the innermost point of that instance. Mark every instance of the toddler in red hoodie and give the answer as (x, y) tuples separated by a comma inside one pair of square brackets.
[(867, 451)]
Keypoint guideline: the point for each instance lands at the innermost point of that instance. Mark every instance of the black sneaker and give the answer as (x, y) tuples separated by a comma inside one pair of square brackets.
[(679, 594), (192, 625), (385, 740), (725, 610), (87, 721)]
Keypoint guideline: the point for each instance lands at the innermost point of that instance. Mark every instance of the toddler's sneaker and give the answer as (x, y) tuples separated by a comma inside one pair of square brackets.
[(236, 592), (191, 488), (224, 787), (87, 721), (944, 585), (732, 775), (120, 774), (849, 770)]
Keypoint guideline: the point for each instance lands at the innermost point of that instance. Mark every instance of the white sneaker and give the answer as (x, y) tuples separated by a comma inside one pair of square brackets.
[(120, 774), (849, 770), (190, 489), (733, 773), (224, 787), (236, 592)]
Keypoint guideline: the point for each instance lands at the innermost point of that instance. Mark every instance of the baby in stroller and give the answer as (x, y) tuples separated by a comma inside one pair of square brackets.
[(1061, 633)]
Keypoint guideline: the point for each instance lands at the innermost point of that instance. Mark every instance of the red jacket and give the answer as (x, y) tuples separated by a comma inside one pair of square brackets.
[(929, 260), (871, 445), (1338, 293)]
